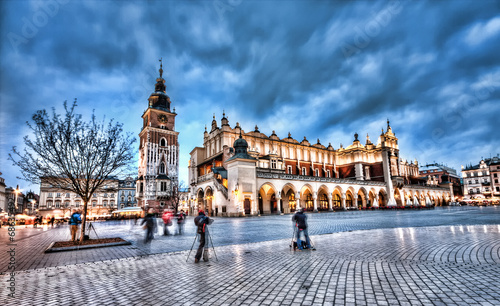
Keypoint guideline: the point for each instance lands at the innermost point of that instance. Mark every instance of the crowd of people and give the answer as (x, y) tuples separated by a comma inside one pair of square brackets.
[(300, 239)]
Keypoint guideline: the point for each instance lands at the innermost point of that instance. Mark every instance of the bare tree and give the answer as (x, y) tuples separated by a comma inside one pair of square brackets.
[(74, 155), (176, 190)]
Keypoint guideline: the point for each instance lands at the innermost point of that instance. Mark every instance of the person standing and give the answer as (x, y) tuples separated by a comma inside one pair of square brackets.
[(167, 221), (201, 222), (149, 224), (52, 219), (181, 217), (73, 224), (300, 220)]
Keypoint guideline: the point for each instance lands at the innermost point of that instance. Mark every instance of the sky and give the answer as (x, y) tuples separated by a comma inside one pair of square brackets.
[(316, 69)]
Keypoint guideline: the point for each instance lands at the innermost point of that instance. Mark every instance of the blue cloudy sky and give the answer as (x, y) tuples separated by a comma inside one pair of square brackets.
[(319, 69)]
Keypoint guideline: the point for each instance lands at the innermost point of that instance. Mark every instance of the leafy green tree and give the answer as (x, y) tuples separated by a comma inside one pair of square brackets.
[(71, 154)]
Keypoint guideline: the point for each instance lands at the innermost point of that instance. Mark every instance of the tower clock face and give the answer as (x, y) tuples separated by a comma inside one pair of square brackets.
[(162, 118)]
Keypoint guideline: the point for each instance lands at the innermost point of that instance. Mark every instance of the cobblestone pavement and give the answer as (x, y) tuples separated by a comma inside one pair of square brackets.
[(446, 256)]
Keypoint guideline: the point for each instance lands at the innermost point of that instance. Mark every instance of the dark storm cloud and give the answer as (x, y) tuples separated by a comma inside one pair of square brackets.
[(321, 69)]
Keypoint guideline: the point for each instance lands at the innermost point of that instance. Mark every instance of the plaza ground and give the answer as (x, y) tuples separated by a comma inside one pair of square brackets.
[(445, 256)]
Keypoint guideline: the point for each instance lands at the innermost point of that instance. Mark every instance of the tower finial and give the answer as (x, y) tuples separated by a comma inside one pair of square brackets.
[(161, 67)]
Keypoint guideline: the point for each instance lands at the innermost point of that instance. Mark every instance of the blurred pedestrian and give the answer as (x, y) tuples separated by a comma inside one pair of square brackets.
[(167, 221), (74, 220), (300, 220), (181, 217), (149, 225), (52, 219), (201, 222)]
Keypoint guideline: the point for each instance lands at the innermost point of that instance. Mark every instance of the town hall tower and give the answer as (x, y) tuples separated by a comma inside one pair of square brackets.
[(158, 151)]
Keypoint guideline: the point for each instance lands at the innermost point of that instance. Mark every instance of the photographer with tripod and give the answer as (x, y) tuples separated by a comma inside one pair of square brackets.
[(201, 221), (300, 220)]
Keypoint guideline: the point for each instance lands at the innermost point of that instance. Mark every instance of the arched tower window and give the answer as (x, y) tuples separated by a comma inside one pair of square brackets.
[(162, 168), (163, 142)]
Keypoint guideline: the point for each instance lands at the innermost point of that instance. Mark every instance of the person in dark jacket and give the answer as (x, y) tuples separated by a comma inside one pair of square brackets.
[(201, 221), (149, 223), (181, 217), (300, 220)]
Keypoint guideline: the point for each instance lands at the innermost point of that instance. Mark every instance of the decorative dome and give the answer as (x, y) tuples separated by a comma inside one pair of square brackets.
[(240, 145)]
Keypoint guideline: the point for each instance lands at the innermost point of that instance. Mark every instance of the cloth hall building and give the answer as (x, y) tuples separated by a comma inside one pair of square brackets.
[(238, 173)]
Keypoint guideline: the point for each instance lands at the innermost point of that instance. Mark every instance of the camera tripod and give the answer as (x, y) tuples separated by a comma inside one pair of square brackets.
[(296, 234), (207, 245), (90, 227)]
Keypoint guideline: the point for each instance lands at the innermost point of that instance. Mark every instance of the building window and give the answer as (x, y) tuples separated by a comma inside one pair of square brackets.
[(323, 202), (317, 172), (94, 203), (292, 204), (309, 202), (477, 181), (163, 186), (66, 204), (163, 143), (105, 203), (494, 175), (498, 189), (77, 204), (67, 195), (289, 169), (111, 203), (348, 200), (328, 173), (162, 168), (336, 201), (273, 164), (49, 204), (496, 181), (121, 206), (123, 198), (58, 195), (303, 171), (58, 204)]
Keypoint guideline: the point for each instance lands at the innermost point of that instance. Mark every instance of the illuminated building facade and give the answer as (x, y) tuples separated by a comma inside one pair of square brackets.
[(482, 181), (54, 201), (439, 174), (238, 173)]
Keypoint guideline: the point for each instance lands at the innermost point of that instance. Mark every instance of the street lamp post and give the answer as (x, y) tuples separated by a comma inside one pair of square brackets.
[(17, 191)]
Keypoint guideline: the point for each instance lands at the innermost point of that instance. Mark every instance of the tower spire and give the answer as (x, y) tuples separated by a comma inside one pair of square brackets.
[(161, 67)]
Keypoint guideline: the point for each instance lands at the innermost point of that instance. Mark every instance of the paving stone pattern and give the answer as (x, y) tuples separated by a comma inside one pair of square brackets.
[(456, 263)]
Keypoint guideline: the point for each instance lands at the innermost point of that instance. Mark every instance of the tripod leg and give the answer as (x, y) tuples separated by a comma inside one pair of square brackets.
[(191, 247), (93, 228), (211, 241)]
